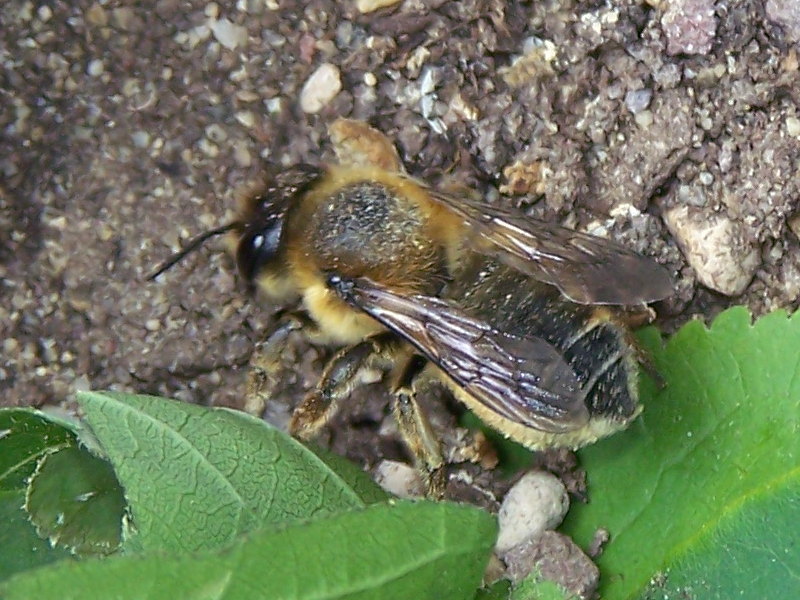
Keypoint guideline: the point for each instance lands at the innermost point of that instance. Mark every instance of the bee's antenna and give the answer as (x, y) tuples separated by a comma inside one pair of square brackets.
[(190, 247)]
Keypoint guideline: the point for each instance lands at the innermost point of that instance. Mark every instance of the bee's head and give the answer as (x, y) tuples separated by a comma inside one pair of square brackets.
[(259, 246), (263, 221)]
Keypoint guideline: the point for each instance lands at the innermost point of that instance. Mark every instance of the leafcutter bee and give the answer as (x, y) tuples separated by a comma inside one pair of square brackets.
[(514, 315)]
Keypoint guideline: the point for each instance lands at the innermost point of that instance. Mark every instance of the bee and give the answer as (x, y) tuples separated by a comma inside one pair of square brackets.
[(515, 316)]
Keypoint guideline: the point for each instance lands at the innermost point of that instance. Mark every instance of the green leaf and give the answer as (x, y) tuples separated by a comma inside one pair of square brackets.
[(353, 475), (753, 554), (33, 445), (533, 587), (196, 477), (403, 550), (25, 436), (75, 500), (701, 493), (20, 548), (499, 590)]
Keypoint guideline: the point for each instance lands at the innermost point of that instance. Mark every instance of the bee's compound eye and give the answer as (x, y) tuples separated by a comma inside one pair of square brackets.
[(257, 247)]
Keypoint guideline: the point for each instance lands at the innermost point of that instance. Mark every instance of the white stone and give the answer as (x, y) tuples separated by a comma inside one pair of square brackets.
[(793, 126), (367, 6), (399, 479), (320, 88), (536, 503), (246, 118), (715, 247), (141, 139), (44, 13), (229, 35), (95, 68)]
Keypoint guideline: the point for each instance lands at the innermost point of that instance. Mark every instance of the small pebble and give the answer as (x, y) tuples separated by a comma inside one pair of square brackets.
[(537, 502), (320, 88), (644, 119), (124, 18), (216, 133), (229, 35), (246, 118), (95, 68), (207, 148), (242, 156), (715, 247), (399, 479), (247, 96), (690, 26), (793, 126), (638, 100), (211, 10), (794, 225), (368, 6), (44, 13), (96, 15), (141, 139), (555, 558)]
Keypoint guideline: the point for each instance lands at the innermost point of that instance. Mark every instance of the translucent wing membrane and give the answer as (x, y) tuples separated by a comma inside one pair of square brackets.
[(523, 379), (585, 268)]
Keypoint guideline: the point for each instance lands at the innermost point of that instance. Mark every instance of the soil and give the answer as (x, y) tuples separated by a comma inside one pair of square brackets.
[(127, 129)]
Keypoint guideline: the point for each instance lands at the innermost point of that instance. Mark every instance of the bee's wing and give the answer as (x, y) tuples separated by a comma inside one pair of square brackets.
[(523, 379), (585, 268)]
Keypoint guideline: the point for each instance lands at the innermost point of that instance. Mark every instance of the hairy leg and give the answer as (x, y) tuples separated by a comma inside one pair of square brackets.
[(264, 375), (349, 368), (416, 429)]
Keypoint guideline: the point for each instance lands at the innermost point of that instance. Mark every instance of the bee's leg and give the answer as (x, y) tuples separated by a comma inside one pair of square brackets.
[(416, 429), (645, 361), (361, 363), (633, 319), (266, 361)]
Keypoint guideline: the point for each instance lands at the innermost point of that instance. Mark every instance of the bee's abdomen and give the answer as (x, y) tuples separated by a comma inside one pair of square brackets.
[(591, 342)]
